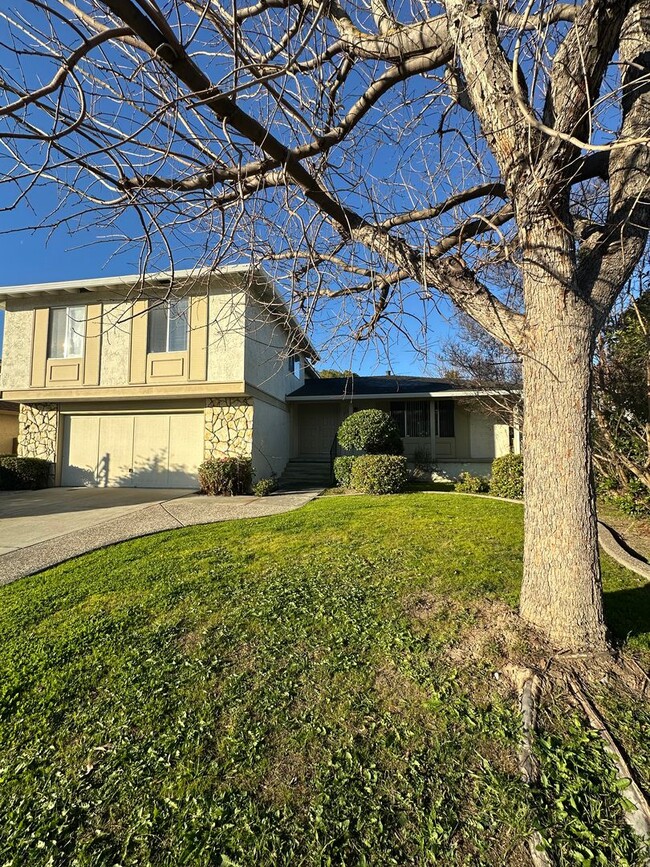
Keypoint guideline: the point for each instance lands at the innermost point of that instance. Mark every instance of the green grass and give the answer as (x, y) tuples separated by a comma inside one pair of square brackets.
[(293, 691)]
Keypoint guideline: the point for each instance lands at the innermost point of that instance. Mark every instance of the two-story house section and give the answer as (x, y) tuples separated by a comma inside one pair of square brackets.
[(132, 381)]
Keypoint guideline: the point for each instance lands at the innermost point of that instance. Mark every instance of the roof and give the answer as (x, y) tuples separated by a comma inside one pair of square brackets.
[(137, 285), (360, 387)]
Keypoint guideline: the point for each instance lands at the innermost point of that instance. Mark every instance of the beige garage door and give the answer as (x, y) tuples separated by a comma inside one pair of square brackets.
[(136, 450)]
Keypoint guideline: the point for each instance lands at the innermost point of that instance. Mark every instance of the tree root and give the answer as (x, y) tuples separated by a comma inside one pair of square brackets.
[(529, 686), (639, 819)]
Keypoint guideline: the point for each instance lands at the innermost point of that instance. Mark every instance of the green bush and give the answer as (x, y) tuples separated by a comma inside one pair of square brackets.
[(507, 478), (343, 470), (226, 476), (469, 484), (372, 431), (379, 474), (633, 500), (264, 487), (23, 474)]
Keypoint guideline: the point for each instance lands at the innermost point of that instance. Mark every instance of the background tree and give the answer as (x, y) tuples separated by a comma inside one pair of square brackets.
[(384, 155), (622, 399)]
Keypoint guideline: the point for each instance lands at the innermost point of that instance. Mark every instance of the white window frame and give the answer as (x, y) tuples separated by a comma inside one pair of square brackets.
[(75, 329), (167, 306)]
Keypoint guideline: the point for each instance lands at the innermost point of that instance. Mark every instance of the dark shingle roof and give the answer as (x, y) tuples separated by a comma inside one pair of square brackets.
[(351, 386)]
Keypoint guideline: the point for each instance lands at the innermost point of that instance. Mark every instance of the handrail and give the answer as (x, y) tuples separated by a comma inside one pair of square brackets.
[(333, 454)]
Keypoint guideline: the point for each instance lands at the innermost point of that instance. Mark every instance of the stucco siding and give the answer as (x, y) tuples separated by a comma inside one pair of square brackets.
[(116, 340), (8, 432), (267, 353), (17, 351), (226, 324), (271, 439)]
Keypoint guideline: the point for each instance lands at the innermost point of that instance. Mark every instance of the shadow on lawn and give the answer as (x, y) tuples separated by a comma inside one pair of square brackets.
[(627, 612)]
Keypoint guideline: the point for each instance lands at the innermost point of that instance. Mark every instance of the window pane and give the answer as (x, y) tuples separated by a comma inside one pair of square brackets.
[(75, 332), (56, 340), (157, 328), (67, 330), (417, 418), (446, 418), (398, 416), (178, 326)]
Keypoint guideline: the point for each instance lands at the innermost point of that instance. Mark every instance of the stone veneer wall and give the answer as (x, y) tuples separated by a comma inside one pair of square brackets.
[(228, 427), (38, 431)]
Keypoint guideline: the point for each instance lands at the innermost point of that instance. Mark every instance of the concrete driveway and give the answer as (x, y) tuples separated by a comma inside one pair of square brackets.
[(30, 517)]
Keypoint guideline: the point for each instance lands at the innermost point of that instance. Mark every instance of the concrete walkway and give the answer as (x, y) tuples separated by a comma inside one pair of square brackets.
[(134, 519)]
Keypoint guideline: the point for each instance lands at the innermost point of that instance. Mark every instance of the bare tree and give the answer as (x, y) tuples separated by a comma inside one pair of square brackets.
[(381, 156)]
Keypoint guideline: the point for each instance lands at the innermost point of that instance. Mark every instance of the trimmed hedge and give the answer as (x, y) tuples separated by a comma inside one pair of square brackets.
[(469, 484), (372, 431), (507, 478), (226, 476), (23, 474), (379, 474), (343, 470)]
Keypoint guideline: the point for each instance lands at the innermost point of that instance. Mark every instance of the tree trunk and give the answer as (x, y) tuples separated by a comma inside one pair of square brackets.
[(561, 592)]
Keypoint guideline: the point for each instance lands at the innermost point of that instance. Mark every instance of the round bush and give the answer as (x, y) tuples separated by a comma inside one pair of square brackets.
[(379, 474), (343, 470), (372, 431), (225, 476), (507, 479)]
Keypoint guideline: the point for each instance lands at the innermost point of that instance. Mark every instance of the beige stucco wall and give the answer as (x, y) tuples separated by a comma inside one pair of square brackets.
[(8, 432), (271, 439), (17, 351), (267, 348), (226, 324), (116, 341)]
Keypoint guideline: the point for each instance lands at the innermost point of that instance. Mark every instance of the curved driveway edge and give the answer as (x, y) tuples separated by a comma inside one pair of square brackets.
[(186, 511)]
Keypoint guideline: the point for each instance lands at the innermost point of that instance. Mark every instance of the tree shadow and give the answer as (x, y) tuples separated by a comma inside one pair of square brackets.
[(627, 613)]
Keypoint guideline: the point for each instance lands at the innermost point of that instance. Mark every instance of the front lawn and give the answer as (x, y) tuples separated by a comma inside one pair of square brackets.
[(318, 688)]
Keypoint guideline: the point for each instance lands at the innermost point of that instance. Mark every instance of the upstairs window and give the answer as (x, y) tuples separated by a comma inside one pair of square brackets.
[(295, 365), (445, 418), (67, 332), (411, 417), (168, 326)]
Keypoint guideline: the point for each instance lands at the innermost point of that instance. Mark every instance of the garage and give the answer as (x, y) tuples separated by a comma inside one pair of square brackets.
[(136, 450)]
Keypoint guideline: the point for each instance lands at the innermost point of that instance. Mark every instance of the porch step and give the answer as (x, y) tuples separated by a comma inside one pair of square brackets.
[(306, 470)]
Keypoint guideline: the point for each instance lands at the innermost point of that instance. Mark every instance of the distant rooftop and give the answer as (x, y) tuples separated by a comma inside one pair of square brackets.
[(350, 387)]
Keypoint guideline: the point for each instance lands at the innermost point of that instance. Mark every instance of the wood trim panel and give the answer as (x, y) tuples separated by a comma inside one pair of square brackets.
[(39, 346), (198, 338), (134, 392), (138, 365), (92, 344)]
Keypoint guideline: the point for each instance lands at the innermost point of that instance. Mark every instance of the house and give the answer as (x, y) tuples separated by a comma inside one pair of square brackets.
[(121, 381), (135, 381), (445, 424)]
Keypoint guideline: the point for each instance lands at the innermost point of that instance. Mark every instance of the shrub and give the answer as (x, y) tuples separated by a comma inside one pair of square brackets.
[(508, 477), (264, 487), (469, 484), (379, 474), (343, 470), (23, 474), (225, 476), (372, 431), (632, 500)]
